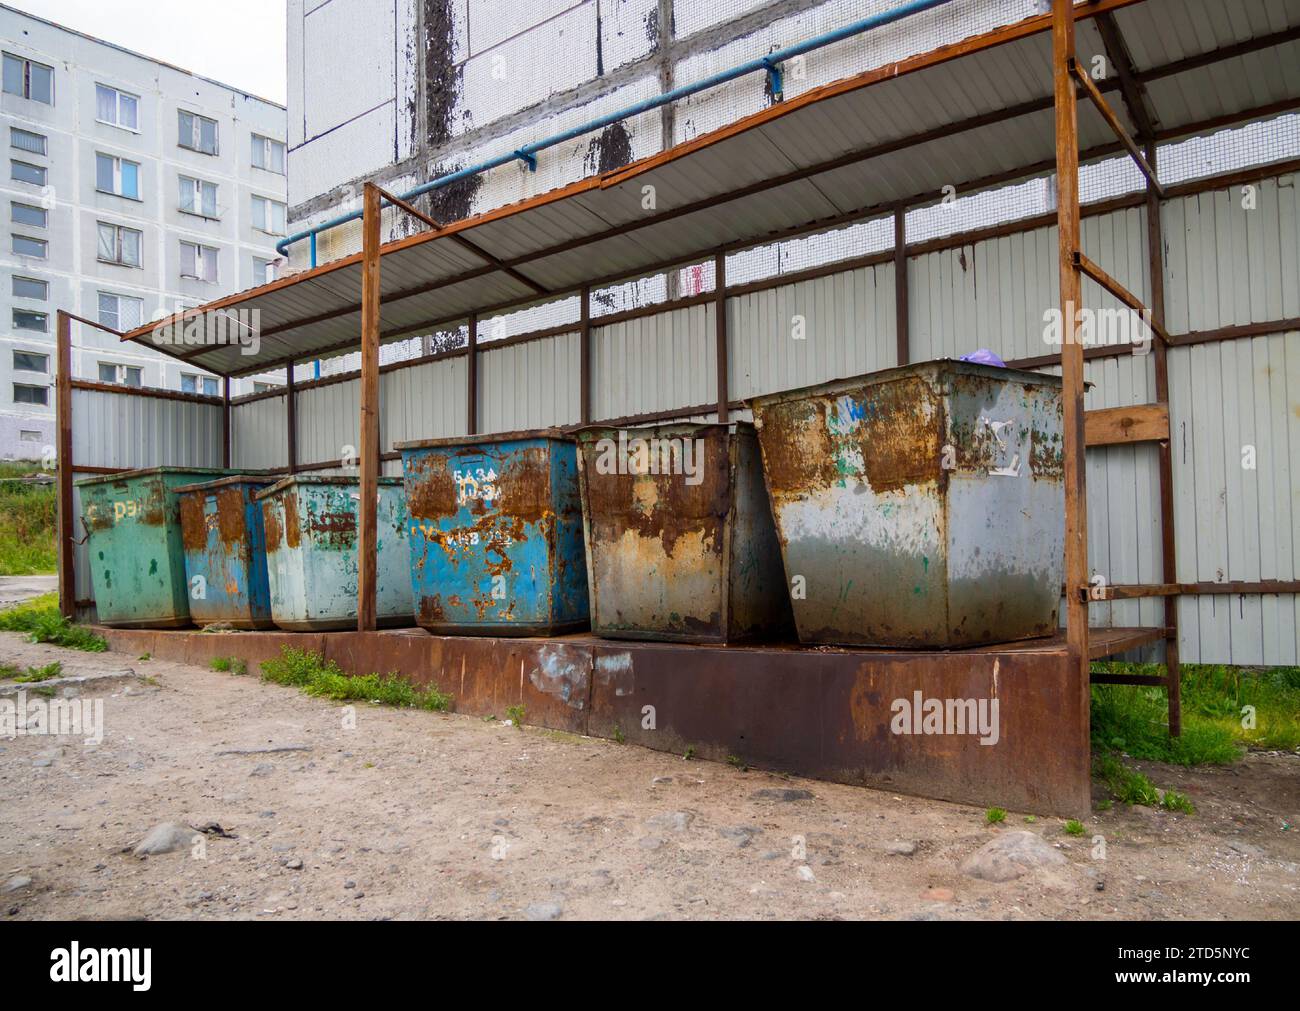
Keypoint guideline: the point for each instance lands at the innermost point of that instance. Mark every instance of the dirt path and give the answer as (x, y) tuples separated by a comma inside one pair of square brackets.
[(415, 814)]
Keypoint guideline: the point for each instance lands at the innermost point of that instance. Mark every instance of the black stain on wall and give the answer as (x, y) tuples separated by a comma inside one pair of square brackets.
[(454, 201), (608, 150), (442, 78)]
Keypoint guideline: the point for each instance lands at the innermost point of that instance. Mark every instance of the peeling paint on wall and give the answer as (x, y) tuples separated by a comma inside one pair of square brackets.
[(609, 149)]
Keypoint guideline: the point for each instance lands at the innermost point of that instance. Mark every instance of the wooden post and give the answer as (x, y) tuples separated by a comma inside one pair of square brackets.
[(291, 420), (1164, 449), (471, 377), (63, 408), (225, 422), (1067, 218), (584, 359), (900, 286), (368, 506), (720, 324)]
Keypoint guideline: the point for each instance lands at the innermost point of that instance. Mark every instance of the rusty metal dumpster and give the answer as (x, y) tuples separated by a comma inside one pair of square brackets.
[(225, 552), (921, 506), (311, 553), (137, 558), (496, 534), (680, 540)]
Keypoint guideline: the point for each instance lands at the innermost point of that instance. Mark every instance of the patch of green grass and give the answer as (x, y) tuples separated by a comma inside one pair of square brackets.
[(689, 753), (736, 763), (41, 620), (1175, 801), (1128, 786), (994, 815), (515, 714), (309, 673), (50, 670), (1215, 728), (27, 543), (619, 736), (1074, 827), (230, 664)]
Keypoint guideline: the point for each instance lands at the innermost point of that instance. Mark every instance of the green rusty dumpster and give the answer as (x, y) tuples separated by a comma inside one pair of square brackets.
[(921, 506), (225, 552), (311, 553), (137, 557), (496, 534), (680, 540)]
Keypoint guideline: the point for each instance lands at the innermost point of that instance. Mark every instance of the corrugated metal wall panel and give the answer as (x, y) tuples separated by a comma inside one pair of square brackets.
[(259, 438), (848, 326), (655, 363), (328, 422), (427, 401), (530, 385)]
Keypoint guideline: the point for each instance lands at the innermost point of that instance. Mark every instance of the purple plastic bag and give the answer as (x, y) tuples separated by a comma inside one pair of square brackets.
[(983, 357)]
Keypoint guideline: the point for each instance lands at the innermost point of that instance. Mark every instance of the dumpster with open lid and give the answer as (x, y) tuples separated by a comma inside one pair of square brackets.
[(311, 553), (680, 540), (496, 534), (921, 506), (225, 552), (137, 557)]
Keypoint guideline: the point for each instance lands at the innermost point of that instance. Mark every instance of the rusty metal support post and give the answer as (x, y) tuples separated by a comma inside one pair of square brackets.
[(1164, 449), (225, 422), (720, 324), (1067, 217), (291, 420), (584, 359), (902, 325), (368, 505), (63, 408), (471, 377)]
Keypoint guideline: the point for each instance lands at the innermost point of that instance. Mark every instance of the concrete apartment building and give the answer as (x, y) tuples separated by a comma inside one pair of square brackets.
[(133, 188)]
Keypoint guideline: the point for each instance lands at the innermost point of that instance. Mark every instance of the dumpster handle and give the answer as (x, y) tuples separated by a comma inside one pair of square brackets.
[(84, 526)]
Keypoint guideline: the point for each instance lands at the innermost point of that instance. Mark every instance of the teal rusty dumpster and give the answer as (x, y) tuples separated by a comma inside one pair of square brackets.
[(496, 534), (311, 553), (680, 540), (225, 552), (921, 506), (134, 542)]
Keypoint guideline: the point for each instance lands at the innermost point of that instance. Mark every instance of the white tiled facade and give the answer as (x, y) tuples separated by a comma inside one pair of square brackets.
[(67, 215)]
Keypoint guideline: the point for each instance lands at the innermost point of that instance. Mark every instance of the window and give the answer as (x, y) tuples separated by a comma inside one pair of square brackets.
[(268, 215), (198, 262), (24, 394), (29, 79), (121, 312), (268, 154), (25, 140), (122, 375), (263, 270), (265, 387), (25, 245), (119, 244), (198, 197), (26, 319), (31, 361), (27, 435), (30, 287), (198, 133), (22, 172), (117, 176), (117, 108), (199, 384), (28, 214)]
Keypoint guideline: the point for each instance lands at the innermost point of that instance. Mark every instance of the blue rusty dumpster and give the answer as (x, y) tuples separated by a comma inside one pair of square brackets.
[(680, 540), (311, 553), (496, 534), (137, 557), (225, 552), (921, 506)]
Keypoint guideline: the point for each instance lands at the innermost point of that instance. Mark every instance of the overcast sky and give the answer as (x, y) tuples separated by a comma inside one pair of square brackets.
[(236, 42)]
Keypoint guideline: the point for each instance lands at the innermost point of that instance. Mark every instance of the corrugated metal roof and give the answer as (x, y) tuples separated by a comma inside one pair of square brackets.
[(897, 132)]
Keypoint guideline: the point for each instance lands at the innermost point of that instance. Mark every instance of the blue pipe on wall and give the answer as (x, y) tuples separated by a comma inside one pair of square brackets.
[(528, 153)]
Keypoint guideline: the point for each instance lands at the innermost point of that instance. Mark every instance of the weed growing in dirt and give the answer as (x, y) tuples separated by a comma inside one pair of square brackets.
[(689, 753), (619, 736), (229, 664), (27, 543), (1074, 827), (308, 672), (34, 674), (515, 714), (1175, 801), (994, 815), (41, 620)]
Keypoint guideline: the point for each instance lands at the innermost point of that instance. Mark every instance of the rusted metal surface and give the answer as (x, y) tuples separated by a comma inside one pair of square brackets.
[(137, 558), (829, 714), (225, 552), (496, 534), (680, 540), (919, 507), (311, 553)]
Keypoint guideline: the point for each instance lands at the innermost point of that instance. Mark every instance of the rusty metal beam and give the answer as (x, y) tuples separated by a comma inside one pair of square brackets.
[(584, 357), (1083, 263), (368, 506), (902, 337), (1112, 120), (64, 474), (1134, 91), (291, 420), (720, 331), (225, 422), (471, 376)]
